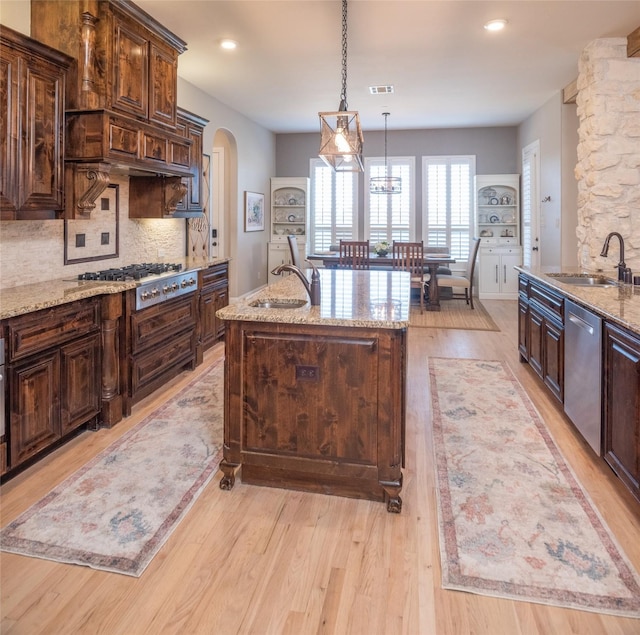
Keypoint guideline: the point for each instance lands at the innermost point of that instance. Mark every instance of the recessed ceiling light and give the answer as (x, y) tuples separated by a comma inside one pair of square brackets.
[(228, 45), (495, 25)]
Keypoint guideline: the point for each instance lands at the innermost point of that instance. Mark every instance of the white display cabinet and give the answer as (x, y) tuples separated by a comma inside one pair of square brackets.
[(289, 215), (497, 218)]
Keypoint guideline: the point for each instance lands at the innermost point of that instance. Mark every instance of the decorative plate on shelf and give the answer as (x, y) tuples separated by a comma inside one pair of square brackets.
[(291, 218), (494, 218), (494, 201), (508, 218)]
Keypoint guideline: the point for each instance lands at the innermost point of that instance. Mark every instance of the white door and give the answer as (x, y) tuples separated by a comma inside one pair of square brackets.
[(531, 205)]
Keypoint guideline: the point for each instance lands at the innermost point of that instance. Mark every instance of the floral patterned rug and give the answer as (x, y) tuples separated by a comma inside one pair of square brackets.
[(117, 511), (514, 521)]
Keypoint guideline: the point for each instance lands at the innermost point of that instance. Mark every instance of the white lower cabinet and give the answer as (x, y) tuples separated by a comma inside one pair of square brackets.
[(498, 280), (279, 254)]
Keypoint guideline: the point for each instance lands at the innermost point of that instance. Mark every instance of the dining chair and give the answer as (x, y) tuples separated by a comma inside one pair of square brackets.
[(295, 252), (464, 281), (354, 254), (410, 257)]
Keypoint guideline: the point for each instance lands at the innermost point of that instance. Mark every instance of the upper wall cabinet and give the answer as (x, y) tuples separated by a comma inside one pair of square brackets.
[(32, 87), (122, 100), (126, 61)]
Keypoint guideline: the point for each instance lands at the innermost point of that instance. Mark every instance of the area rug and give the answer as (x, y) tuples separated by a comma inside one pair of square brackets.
[(514, 521), (454, 314), (117, 511)]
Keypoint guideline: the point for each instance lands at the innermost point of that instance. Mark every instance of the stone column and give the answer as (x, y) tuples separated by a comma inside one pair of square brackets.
[(608, 168)]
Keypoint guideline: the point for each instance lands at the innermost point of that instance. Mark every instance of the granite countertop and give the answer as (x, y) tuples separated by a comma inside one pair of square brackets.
[(42, 295), (619, 304), (369, 299)]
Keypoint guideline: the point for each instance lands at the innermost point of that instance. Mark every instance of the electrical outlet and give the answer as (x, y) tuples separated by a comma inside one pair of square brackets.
[(161, 253)]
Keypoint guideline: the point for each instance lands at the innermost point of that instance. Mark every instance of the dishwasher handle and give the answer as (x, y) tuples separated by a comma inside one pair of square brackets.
[(580, 323)]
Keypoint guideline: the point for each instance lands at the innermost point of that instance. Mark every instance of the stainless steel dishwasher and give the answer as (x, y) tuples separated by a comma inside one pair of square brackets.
[(583, 372)]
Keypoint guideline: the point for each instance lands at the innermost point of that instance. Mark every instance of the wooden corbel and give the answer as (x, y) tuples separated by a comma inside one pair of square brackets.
[(84, 182)]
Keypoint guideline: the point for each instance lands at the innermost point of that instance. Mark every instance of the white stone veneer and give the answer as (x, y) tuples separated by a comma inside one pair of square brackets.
[(608, 168)]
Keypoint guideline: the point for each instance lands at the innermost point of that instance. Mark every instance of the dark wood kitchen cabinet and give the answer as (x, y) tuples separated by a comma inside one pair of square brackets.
[(622, 405), (161, 342), (214, 295), (54, 375), (541, 333), (192, 126), (121, 102), (127, 62), (32, 89)]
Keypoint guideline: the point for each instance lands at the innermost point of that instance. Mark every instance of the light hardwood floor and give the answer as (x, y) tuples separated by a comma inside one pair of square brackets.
[(260, 560)]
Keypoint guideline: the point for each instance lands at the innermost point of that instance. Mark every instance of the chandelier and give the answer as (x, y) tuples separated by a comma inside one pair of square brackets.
[(386, 184), (340, 132)]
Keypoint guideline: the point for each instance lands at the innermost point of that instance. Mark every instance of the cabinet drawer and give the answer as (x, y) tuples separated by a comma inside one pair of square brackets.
[(218, 275), (154, 147), (40, 330), (123, 140), (548, 299), (162, 323)]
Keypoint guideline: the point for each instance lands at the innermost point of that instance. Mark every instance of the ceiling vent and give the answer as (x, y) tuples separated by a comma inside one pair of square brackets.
[(381, 90)]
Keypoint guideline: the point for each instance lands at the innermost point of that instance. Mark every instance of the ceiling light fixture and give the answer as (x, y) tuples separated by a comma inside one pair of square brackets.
[(228, 45), (495, 25), (341, 137), (386, 184)]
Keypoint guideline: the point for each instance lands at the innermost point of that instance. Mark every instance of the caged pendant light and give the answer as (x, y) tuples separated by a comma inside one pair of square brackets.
[(341, 137), (386, 184)]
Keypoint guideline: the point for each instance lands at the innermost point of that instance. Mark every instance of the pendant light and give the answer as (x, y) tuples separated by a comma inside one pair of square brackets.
[(340, 132), (386, 184)]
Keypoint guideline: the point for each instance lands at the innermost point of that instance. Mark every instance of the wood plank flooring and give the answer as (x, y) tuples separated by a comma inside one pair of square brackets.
[(260, 560)]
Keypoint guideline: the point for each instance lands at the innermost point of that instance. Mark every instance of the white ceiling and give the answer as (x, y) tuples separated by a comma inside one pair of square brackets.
[(447, 70)]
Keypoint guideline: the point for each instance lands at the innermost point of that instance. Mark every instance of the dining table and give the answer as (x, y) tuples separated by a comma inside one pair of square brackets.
[(331, 260)]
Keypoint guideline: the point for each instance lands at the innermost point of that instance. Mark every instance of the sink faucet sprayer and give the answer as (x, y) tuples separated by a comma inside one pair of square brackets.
[(624, 272), (313, 289)]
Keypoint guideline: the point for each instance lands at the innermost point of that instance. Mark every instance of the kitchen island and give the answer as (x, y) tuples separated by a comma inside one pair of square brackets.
[(315, 395)]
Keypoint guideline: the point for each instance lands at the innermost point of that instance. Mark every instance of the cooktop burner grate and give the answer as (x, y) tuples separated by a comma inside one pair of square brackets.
[(132, 272)]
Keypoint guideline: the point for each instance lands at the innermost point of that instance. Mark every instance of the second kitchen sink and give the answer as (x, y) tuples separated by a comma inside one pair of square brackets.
[(583, 280)]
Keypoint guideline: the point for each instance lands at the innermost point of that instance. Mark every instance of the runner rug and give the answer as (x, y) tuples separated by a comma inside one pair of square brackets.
[(513, 520), (454, 314), (117, 511)]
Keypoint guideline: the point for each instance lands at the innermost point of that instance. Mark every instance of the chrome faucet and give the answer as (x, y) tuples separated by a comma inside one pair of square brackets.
[(623, 270), (313, 289)]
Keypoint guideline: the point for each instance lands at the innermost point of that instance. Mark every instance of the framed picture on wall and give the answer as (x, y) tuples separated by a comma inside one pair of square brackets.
[(253, 212)]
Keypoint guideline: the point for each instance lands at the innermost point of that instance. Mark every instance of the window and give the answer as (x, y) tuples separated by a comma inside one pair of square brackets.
[(334, 201), (390, 216), (447, 203)]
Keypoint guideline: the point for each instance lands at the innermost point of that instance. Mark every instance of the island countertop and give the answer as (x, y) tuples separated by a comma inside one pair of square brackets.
[(369, 299), (619, 303), (27, 298)]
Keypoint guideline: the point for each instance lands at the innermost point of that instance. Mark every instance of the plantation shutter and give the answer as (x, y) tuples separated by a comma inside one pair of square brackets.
[(448, 204)]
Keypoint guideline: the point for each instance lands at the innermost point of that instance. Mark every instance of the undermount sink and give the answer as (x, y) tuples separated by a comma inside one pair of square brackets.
[(583, 280), (277, 304)]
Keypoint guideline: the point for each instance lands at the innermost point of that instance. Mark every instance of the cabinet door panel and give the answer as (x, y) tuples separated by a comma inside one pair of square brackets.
[(8, 129), (300, 402), (523, 338), (163, 84), (34, 419), (622, 406), (509, 274), (554, 358), (80, 382), (131, 71), (41, 173), (536, 341)]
